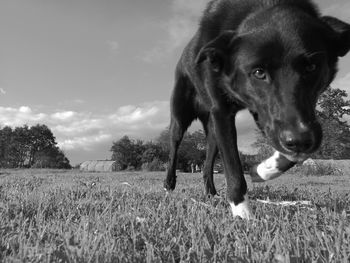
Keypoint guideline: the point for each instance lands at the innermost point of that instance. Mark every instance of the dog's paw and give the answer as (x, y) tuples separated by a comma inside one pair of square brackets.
[(167, 191), (169, 186), (242, 210)]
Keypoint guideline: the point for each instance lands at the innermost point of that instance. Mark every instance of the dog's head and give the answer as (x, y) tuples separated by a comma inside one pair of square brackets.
[(276, 64)]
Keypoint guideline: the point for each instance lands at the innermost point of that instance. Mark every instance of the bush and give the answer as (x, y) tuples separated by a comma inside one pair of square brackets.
[(130, 168), (155, 165), (318, 169)]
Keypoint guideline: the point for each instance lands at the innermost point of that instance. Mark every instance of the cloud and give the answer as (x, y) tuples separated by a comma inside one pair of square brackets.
[(85, 142), (179, 28), (25, 110), (79, 133), (85, 130), (114, 46), (18, 117), (63, 116), (132, 114), (2, 91)]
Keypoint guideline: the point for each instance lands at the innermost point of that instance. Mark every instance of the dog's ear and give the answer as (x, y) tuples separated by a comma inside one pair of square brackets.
[(342, 34), (216, 51)]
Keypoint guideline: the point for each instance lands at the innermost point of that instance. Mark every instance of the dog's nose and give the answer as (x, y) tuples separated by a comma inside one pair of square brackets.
[(297, 141)]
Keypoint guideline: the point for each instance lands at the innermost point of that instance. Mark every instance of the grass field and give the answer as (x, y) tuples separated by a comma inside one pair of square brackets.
[(68, 216)]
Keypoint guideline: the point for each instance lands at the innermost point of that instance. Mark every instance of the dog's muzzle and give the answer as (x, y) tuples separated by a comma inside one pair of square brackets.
[(300, 138)]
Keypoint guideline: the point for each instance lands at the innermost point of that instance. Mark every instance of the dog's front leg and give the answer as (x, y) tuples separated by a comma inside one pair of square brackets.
[(226, 137)]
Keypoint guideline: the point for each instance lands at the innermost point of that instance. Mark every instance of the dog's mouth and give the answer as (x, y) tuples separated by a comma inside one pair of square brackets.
[(296, 157), (293, 156)]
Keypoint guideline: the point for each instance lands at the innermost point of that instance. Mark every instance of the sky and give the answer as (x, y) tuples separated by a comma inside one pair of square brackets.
[(96, 70)]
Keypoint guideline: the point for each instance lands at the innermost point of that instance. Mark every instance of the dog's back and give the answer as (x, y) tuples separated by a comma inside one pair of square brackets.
[(222, 15)]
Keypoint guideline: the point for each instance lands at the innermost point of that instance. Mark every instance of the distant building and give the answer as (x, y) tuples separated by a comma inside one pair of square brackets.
[(99, 166)]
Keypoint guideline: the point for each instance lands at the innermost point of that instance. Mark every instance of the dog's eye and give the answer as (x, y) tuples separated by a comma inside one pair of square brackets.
[(260, 73), (310, 68)]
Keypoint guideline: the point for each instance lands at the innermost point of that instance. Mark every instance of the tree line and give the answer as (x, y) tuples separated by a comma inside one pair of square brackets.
[(153, 155), (30, 147), (131, 154)]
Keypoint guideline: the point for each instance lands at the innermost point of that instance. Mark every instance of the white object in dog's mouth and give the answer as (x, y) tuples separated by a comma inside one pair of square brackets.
[(274, 166)]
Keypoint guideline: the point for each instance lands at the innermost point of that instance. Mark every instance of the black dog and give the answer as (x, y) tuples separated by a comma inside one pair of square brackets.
[(273, 57)]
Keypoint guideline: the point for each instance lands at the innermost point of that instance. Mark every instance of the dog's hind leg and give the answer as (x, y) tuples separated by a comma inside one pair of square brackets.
[(211, 152), (182, 115)]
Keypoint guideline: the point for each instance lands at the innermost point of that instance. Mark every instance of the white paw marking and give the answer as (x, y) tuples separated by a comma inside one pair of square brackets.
[(242, 209), (167, 192)]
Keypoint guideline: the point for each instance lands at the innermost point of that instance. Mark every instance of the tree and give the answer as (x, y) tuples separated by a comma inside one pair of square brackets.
[(122, 152), (153, 151), (154, 157), (21, 144), (5, 146), (14, 144), (41, 139), (248, 160), (336, 131), (333, 105), (29, 147), (192, 148), (164, 140), (138, 149), (51, 157), (263, 146), (127, 153)]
